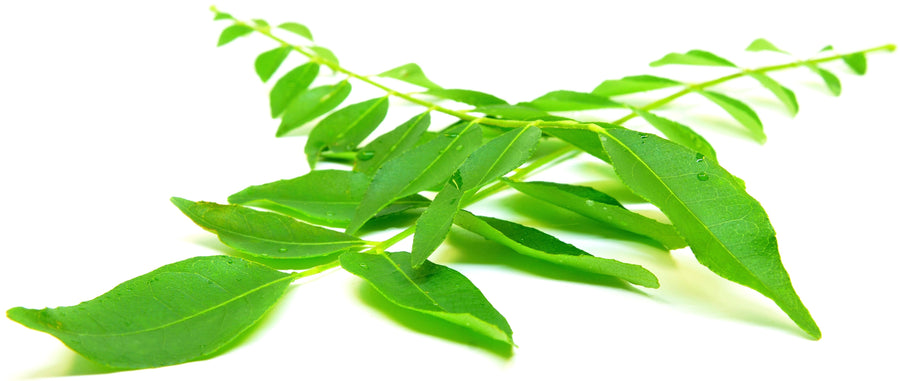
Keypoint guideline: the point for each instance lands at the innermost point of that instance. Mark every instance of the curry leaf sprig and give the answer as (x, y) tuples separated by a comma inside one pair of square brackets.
[(191, 309)]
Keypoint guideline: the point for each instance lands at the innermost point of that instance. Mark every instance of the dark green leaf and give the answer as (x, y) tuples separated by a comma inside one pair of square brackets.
[(599, 206), (420, 168), (312, 103), (693, 57), (832, 81), (431, 289), (564, 100), (344, 129), (761, 44), (521, 111), (325, 54), (410, 73), (784, 94), (174, 314), (268, 62), (679, 133), (265, 234), (739, 111), (537, 244), (857, 62), (290, 86), (469, 97), (727, 229), (391, 144), (232, 32), (633, 84), (299, 29)]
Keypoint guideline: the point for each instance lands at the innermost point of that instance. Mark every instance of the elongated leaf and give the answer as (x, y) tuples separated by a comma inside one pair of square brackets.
[(434, 224), (265, 234), (431, 289), (261, 23), (174, 314), (599, 206), (222, 16), (679, 133), (233, 32), (344, 129), (268, 62), (783, 94), (325, 53), (633, 84), (418, 169), (587, 141), (857, 62), (410, 73), (310, 104), (391, 144), (469, 97), (728, 231), (564, 100), (832, 81), (739, 111), (290, 86), (761, 44), (693, 57), (298, 29), (521, 111), (537, 244)]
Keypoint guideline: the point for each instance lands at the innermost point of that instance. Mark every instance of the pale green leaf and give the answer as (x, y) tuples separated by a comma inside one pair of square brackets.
[(393, 143), (761, 44), (728, 231), (233, 32), (564, 100), (298, 29), (325, 54), (633, 84), (268, 62), (310, 104), (739, 111), (469, 97), (290, 86), (174, 314), (222, 16), (693, 57), (679, 133), (856, 62), (785, 95), (521, 111), (831, 80), (344, 129), (537, 244), (261, 23), (410, 73)]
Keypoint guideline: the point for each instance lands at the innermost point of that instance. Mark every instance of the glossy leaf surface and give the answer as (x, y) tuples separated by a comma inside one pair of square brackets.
[(298, 29), (344, 129), (633, 84), (469, 97), (233, 32), (393, 143), (410, 73), (174, 314), (740, 112), (586, 140), (679, 133), (310, 104), (564, 100), (290, 86), (268, 62), (692, 57), (785, 95)]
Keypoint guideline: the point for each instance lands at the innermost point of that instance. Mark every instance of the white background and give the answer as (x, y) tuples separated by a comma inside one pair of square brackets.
[(107, 109)]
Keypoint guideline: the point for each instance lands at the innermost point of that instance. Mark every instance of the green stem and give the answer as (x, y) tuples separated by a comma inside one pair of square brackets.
[(315, 270)]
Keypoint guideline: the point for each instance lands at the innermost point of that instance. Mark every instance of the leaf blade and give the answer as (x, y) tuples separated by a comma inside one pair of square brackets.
[(679, 133), (391, 144), (344, 129), (856, 62), (785, 95), (564, 100), (268, 62), (298, 29), (761, 44), (232, 33), (831, 80), (310, 104), (290, 85), (410, 73), (738, 110), (469, 97), (633, 84), (693, 57)]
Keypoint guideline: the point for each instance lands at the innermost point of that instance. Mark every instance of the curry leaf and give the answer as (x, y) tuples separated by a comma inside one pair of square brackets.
[(469, 97), (761, 44), (564, 100), (856, 62), (233, 32), (739, 111), (391, 144), (410, 73), (290, 86), (633, 84), (693, 57), (325, 54), (344, 129), (310, 104), (521, 111), (679, 133), (783, 94), (268, 62), (832, 81), (298, 29)]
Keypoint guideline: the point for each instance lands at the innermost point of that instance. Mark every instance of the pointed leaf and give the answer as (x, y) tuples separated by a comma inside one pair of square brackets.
[(265, 234), (693, 57), (325, 53), (431, 289), (761, 44), (469, 97), (587, 141), (310, 104), (537, 244), (564, 100), (633, 84), (679, 133), (599, 206), (739, 111), (410, 73), (521, 111), (391, 144), (832, 81), (728, 231), (299, 29), (222, 16), (261, 23), (344, 129), (418, 169), (857, 62), (268, 62), (174, 314), (290, 86), (232, 32), (784, 94), (434, 224)]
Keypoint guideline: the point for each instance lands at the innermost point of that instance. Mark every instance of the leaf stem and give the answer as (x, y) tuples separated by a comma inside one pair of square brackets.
[(315, 270)]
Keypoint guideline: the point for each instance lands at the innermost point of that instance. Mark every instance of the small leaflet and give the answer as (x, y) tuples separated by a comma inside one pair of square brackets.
[(680, 134), (390, 144), (739, 111), (311, 104), (633, 84), (325, 54), (298, 29), (233, 32), (344, 129), (469, 97), (290, 86), (693, 57), (831, 80), (565, 100), (268, 62), (520, 111), (410, 73), (586, 140), (785, 95), (856, 62), (761, 44)]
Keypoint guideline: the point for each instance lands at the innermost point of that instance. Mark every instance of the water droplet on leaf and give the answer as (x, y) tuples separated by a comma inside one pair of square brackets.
[(589, 202), (364, 266), (702, 176), (459, 147), (700, 157), (451, 134), (365, 155), (282, 249)]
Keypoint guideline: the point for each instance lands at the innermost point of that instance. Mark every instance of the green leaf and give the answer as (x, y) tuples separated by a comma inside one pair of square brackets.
[(325, 54), (261, 23), (832, 81), (393, 143), (268, 62), (587, 141), (232, 32), (564, 100), (177, 313), (420, 168), (599, 206), (327, 197), (430, 289), (434, 224), (679, 133), (633, 84), (310, 104), (521, 111), (693, 57), (537, 244), (469, 97), (265, 234), (222, 16), (857, 62), (728, 230), (783, 94), (761, 44), (410, 73), (739, 111), (290, 86), (344, 129), (299, 29)]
